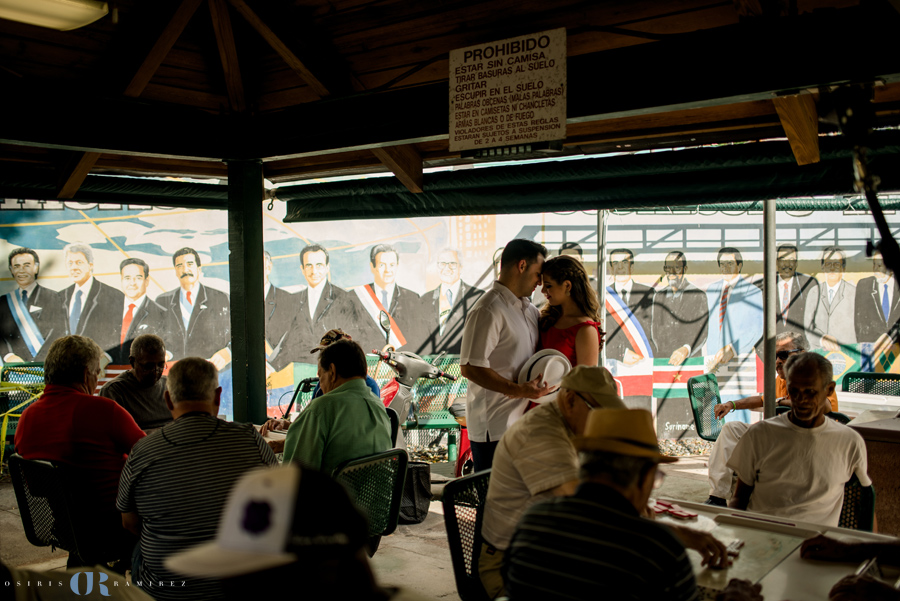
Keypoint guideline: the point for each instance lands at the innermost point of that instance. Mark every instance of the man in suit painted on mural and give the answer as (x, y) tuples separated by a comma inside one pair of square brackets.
[(402, 305), (199, 317), (446, 307), (323, 307), (282, 309), (627, 297), (140, 314), (878, 307), (797, 293), (680, 314), (89, 303), (837, 303), (31, 316), (735, 310)]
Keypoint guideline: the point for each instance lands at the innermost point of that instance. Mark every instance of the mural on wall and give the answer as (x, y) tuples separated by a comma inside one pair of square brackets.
[(684, 295)]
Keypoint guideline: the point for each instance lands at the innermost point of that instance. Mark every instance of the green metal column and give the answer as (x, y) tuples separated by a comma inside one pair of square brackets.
[(245, 264)]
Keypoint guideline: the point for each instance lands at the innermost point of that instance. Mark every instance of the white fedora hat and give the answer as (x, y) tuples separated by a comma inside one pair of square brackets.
[(549, 363)]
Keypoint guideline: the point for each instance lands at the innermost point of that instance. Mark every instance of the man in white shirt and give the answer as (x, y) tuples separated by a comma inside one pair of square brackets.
[(447, 306), (837, 302), (140, 315), (500, 335), (89, 303), (795, 465)]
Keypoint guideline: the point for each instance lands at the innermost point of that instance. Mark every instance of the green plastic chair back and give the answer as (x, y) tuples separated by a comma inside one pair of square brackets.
[(463, 501), (858, 510), (375, 483), (31, 376), (871, 383), (703, 392)]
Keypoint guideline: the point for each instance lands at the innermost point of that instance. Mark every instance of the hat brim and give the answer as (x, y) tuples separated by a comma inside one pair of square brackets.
[(621, 447), (527, 374), (212, 561)]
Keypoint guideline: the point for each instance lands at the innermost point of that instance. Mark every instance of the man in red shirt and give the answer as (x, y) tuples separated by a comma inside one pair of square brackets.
[(92, 435)]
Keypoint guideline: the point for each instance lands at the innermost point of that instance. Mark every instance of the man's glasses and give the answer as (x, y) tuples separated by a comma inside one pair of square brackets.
[(783, 355), (452, 266)]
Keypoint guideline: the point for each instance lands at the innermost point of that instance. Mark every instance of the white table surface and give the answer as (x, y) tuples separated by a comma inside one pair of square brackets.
[(794, 578)]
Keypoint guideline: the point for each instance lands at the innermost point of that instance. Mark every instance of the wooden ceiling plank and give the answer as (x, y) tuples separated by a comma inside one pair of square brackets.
[(73, 173), (228, 53), (800, 120), (281, 48), (161, 48), (405, 162)]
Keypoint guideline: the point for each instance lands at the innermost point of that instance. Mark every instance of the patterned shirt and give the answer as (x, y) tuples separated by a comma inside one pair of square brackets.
[(594, 545), (177, 479)]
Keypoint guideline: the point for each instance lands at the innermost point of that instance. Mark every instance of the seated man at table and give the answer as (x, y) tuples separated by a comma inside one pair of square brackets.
[(346, 422), (140, 390), (596, 544), (93, 435), (720, 475), (536, 460), (862, 586), (176, 481), (795, 465)]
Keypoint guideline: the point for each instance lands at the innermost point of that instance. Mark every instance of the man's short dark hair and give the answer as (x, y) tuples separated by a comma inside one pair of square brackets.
[(313, 248), (186, 251), (24, 251), (807, 360), (133, 261), (67, 359), (677, 255), (621, 250), (622, 470), (787, 247), (149, 344), (730, 250), (571, 246), (347, 357), (521, 249), (382, 248), (829, 251)]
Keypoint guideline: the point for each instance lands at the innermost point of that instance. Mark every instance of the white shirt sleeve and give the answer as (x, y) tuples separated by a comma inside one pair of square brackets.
[(743, 459), (481, 335)]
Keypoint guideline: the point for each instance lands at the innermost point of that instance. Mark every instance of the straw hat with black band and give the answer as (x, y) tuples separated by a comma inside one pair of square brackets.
[(622, 432)]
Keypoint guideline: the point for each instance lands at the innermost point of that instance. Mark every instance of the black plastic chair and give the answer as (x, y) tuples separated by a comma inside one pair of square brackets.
[(703, 392), (375, 483), (395, 424), (871, 383), (463, 502), (858, 510), (43, 493)]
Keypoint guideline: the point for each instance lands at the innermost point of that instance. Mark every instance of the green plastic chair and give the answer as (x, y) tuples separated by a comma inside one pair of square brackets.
[(463, 501), (30, 376), (375, 483), (858, 510), (703, 392), (871, 383)]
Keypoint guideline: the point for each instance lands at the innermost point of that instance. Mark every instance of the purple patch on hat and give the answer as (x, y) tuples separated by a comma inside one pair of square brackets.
[(257, 517)]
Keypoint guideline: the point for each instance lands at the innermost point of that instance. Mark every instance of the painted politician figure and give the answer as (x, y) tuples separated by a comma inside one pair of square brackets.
[(140, 314), (735, 310), (198, 316), (837, 302), (89, 303), (282, 309), (680, 314), (445, 308), (877, 306), (630, 307), (401, 304), (797, 293), (31, 316)]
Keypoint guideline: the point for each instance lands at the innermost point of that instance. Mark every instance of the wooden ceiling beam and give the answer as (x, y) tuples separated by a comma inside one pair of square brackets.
[(161, 48), (221, 21), (72, 174), (800, 120), (405, 162), (285, 52)]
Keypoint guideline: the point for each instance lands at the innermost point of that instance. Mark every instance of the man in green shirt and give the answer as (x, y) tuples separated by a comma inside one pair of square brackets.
[(347, 422)]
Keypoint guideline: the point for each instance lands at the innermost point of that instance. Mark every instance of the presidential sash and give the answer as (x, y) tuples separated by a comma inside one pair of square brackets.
[(628, 323), (373, 307), (27, 328)]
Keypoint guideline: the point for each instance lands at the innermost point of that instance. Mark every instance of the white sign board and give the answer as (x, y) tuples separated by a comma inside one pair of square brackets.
[(508, 92)]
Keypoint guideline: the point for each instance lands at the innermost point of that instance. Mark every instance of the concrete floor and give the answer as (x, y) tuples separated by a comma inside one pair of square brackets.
[(414, 557)]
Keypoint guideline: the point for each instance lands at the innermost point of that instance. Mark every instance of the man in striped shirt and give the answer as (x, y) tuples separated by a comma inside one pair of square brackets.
[(176, 480), (596, 541)]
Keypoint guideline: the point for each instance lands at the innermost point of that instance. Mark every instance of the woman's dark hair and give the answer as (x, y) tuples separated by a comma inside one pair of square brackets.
[(566, 268)]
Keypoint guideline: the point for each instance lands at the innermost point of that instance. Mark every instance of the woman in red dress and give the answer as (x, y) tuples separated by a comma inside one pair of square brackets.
[(569, 319)]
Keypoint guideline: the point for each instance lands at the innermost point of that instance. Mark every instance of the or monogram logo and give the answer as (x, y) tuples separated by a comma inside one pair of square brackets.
[(89, 576), (257, 517)]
